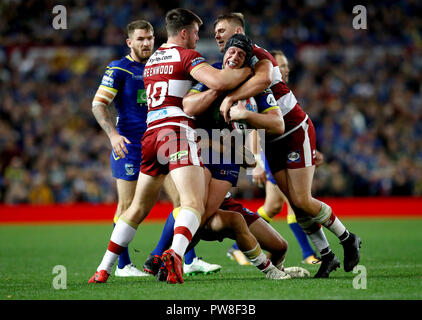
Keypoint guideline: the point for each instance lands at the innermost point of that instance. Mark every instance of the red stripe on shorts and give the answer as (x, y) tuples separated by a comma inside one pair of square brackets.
[(184, 231)]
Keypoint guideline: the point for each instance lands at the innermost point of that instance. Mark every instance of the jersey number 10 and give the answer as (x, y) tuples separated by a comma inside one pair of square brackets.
[(159, 92)]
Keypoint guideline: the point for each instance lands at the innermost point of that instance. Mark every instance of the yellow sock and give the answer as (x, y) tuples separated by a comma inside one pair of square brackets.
[(291, 218), (264, 215), (176, 212)]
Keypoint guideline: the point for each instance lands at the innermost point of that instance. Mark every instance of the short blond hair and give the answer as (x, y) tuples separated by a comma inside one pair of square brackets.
[(235, 18), (138, 24)]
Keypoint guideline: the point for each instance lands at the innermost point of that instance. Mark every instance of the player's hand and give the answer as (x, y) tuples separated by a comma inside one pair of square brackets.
[(319, 159), (225, 107), (238, 112), (258, 176), (118, 144)]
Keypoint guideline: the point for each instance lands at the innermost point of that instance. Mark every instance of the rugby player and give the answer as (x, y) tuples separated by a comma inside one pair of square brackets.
[(123, 83), (291, 157)]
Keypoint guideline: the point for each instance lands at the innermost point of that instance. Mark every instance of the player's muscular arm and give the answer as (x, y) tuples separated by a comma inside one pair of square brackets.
[(195, 103), (259, 82), (220, 80), (272, 120), (100, 109)]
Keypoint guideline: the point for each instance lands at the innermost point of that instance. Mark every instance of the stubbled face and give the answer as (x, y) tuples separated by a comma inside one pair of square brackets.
[(223, 31), (141, 43), (193, 36), (234, 58), (283, 65)]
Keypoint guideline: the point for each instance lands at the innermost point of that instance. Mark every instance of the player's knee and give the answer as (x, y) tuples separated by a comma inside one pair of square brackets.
[(195, 204), (122, 206), (301, 201), (274, 208), (238, 223)]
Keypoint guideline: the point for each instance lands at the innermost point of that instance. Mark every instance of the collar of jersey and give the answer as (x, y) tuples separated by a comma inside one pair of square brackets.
[(169, 45)]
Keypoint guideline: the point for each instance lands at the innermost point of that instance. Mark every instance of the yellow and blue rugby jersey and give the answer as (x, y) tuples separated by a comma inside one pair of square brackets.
[(125, 78)]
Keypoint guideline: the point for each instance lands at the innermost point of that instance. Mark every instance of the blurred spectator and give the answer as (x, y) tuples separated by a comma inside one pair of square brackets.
[(362, 89)]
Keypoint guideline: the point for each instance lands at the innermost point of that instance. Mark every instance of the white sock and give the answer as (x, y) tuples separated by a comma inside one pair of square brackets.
[(121, 236), (258, 259), (123, 233), (185, 227), (108, 261)]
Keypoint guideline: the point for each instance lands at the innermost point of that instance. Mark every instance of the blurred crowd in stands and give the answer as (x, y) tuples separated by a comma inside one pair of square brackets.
[(362, 89)]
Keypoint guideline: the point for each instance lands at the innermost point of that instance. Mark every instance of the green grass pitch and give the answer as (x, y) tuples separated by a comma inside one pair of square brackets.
[(391, 254)]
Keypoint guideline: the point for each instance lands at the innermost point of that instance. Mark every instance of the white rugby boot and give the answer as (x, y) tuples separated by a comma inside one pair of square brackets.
[(129, 271), (199, 266)]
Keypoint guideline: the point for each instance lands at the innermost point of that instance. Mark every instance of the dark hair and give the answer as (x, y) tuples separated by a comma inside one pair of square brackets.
[(178, 19), (233, 17), (243, 42), (138, 24)]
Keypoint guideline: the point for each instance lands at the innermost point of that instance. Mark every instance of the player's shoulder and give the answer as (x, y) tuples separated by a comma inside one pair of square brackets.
[(262, 53), (123, 65), (192, 56)]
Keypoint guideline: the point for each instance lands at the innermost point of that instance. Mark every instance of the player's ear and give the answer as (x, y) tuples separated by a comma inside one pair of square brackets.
[(183, 33), (128, 42)]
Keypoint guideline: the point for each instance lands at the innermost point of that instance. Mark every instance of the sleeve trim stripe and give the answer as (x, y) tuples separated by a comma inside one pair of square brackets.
[(112, 90), (270, 108), (104, 97), (96, 103), (199, 66), (194, 90), (106, 93), (101, 100), (112, 68)]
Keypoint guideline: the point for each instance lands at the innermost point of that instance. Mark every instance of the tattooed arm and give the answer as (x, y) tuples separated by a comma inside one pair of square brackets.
[(100, 109)]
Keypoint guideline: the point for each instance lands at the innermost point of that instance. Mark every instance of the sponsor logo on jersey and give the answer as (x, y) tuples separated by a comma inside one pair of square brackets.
[(271, 100), (109, 72), (156, 115), (164, 56), (293, 157), (141, 96), (254, 61), (197, 61), (129, 169), (107, 81)]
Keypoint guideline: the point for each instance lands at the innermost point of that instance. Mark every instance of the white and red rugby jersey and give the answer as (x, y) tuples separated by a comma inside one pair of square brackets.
[(167, 78), (292, 112)]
